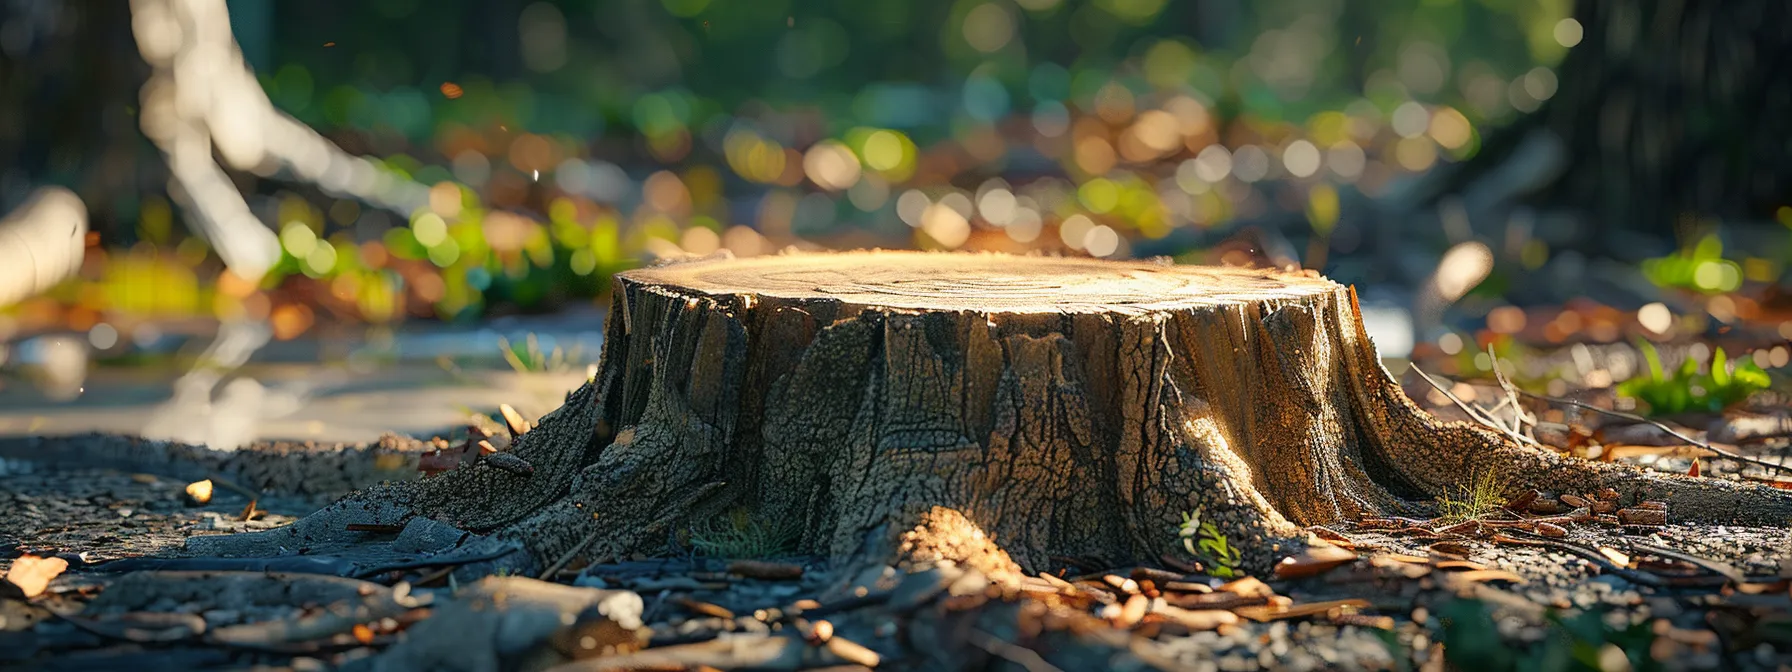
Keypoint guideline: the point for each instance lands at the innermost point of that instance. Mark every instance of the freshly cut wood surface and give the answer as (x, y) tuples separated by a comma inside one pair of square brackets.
[(982, 282)]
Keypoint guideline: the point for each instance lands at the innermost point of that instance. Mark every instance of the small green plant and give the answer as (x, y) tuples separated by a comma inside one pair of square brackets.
[(1583, 640), (1702, 268), (738, 534), (1687, 389), (1205, 542), (1473, 501), (529, 358)]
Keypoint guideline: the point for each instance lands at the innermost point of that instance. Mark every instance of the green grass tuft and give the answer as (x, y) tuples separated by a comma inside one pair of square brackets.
[(737, 534), (1474, 501)]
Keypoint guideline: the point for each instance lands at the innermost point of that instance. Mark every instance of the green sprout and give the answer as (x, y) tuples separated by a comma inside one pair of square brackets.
[(1689, 390), (1480, 498), (738, 534), (529, 358), (1205, 542), (1702, 268)]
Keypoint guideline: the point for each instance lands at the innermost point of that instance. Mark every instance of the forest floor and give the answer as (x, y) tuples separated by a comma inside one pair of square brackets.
[(1505, 593)]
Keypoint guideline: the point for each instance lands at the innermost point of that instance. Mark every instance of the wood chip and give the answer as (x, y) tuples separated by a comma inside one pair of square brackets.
[(1459, 565), (1615, 556), (853, 652), (1247, 587), (1575, 501), (1121, 584), (1455, 548), (765, 570), (1313, 561), (1551, 530), (514, 421), (32, 574), (1608, 494), (704, 608), (1195, 619), (1186, 587), (1653, 505), (200, 492), (1266, 613), (1132, 611), (1363, 620), (1332, 536), (1642, 516), (820, 632)]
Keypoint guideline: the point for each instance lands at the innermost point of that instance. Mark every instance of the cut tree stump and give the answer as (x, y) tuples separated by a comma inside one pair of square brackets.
[(874, 402)]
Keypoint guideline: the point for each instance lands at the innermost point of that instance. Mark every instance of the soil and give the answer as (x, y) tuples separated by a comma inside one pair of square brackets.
[(1412, 601)]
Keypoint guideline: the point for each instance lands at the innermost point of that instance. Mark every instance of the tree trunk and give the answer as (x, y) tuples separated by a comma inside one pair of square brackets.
[(1063, 408), (1665, 111)]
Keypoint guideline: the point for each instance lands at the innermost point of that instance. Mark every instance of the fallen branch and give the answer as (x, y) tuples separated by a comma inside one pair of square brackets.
[(1663, 427)]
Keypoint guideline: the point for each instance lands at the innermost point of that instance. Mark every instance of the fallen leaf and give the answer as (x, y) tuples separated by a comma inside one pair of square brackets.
[(1467, 565), (1266, 613), (1313, 561), (1615, 556), (1247, 587), (200, 492), (33, 574), (1196, 619), (1694, 471)]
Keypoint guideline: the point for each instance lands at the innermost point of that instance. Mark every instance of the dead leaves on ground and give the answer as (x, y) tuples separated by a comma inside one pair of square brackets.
[(30, 575)]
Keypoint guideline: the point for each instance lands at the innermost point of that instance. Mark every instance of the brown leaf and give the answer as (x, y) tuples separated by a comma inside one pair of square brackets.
[(1313, 561), (1640, 516), (1196, 619), (1266, 613), (704, 608), (1332, 536), (200, 492), (1247, 587), (1454, 565), (1576, 501), (1615, 556), (33, 574)]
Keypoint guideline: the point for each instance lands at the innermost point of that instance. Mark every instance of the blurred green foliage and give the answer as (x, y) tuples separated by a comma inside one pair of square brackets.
[(1585, 640), (1701, 268), (1692, 387), (564, 140)]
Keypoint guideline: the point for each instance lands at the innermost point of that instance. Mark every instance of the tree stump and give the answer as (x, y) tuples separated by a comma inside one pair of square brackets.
[(1063, 408)]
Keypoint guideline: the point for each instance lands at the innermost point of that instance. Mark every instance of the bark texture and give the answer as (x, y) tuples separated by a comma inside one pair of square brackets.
[(1064, 408)]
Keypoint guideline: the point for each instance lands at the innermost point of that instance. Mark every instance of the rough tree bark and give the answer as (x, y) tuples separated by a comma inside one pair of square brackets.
[(1665, 111), (1063, 407)]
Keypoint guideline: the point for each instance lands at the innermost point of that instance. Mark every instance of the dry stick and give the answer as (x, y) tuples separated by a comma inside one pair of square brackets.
[(565, 558), (1472, 412), (1028, 659), (1637, 418), (1518, 415)]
